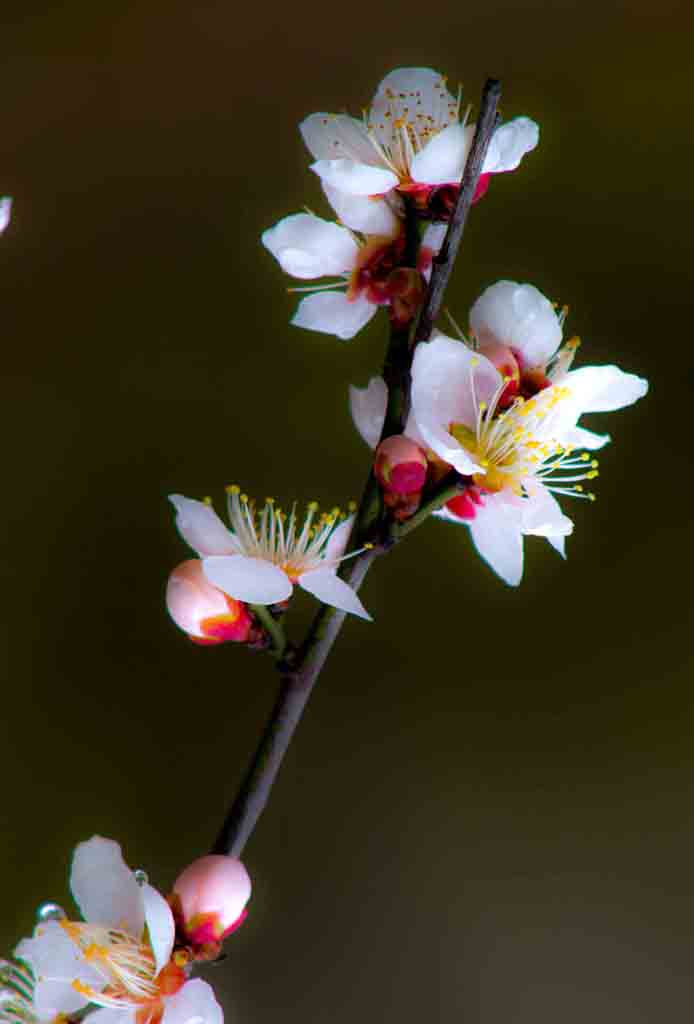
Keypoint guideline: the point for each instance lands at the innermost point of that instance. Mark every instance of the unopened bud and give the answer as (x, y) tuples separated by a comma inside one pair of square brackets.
[(205, 613), (209, 899), (400, 465)]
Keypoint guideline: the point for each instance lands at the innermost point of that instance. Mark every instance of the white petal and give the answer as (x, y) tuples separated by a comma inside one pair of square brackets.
[(337, 136), (306, 246), (253, 580), (160, 925), (335, 548), (580, 438), (421, 90), (5, 212), (195, 1003), (334, 313), (369, 214), (542, 514), (104, 887), (603, 388), (368, 408), (442, 160), (330, 589), (355, 178), (496, 533), (201, 527), (509, 145), (517, 315), (108, 1015), (445, 375), (56, 963), (559, 544)]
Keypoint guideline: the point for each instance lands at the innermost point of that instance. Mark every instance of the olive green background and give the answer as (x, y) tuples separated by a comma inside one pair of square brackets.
[(486, 815)]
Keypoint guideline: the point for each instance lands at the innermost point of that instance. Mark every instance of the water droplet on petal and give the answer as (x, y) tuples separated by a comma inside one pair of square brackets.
[(140, 876), (50, 912)]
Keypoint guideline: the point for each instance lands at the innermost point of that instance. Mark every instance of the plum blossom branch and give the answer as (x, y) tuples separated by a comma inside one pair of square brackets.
[(300, 671)]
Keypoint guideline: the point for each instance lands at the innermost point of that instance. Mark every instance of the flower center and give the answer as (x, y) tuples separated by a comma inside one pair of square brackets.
[(126, 965), (515, 445), (294, 545), (401, 123)]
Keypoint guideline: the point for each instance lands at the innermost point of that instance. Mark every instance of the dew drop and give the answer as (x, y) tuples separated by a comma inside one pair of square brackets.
[(140, 876), (50, 912)]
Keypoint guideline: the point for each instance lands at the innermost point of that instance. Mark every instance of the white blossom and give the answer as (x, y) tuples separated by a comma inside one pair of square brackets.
[(266, 552), (117, 957), (517, 455), (414, 135)]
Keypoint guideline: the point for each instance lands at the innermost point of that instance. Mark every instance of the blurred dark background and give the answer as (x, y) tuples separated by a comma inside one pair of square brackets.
[(486, 815)]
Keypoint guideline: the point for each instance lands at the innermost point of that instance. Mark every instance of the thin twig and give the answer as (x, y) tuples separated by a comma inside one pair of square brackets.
[(443, 262), (295, 689)]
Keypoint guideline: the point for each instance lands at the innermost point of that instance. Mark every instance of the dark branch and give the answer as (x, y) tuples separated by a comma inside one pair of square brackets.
[(443, 263), (295, 690)]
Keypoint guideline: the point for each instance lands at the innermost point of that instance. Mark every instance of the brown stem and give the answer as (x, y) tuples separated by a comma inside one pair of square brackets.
[(295, 690)]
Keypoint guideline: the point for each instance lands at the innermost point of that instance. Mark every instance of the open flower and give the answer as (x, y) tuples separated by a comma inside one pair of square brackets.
[(307, 247), (516, 456), (413, 137), (119, 958), (266, 552)]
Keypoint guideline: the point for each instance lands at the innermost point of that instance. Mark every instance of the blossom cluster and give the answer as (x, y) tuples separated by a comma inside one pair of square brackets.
[(411, 147), (128, 961), (502, 411), (494, 413)]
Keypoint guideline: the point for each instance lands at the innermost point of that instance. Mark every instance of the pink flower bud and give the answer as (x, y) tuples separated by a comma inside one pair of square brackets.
[(202, 611), (209, 899), (400, 465)]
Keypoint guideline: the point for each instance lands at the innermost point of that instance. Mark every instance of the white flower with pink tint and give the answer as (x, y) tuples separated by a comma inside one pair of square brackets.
[(267, 552), (119, 959), (518, 450), (415, 136), (308, 247)]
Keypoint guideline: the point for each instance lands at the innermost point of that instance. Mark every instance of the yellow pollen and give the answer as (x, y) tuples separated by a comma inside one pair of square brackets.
[(232, 489), (593, 473), (474, 361), (84, 990), (243, 498), (207, 501), (352, 506), (584, 457)]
